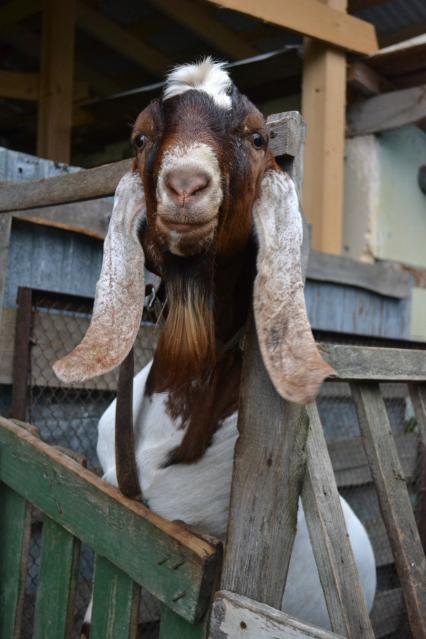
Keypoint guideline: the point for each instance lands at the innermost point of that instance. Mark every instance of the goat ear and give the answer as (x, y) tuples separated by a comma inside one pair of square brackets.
[(119, 299), (286, 342)]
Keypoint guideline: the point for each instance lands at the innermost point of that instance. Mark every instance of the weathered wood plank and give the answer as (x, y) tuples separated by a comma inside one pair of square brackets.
[(21, 354), (172, 626), (97, 514), (57, 582), (374, 363), (71, 187), (337, 570), (383, 279), (387, 111), (418, 398), (115, 603), (268, 470), (394, 502), (15, 532), (237, 616), (98, 182), (5, 229)]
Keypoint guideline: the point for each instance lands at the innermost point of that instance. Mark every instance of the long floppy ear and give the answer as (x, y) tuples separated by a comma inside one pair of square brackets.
[(287, 345), (119, 299)]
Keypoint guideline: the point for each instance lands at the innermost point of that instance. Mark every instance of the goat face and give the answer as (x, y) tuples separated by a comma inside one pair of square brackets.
[(203, 176), (201, 153)]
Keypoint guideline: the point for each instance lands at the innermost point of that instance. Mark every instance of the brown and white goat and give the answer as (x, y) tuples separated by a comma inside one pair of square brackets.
[(208, 210)]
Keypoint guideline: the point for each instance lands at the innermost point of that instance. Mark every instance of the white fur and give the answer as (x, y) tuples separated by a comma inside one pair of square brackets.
[(199, 495), (208, 76), (191, 157)]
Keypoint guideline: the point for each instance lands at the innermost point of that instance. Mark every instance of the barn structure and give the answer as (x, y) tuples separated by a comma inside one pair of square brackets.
[(75, 74)]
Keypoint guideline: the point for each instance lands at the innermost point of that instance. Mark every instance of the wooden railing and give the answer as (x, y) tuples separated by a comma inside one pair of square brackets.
[(134, 547)]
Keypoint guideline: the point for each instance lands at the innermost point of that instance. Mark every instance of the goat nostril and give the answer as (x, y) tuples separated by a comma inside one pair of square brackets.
[(183, 185)]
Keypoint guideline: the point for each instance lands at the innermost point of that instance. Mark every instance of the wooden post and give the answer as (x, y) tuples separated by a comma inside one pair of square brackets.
[(5, 231), (56, 81), (269, 461), (323, 107)]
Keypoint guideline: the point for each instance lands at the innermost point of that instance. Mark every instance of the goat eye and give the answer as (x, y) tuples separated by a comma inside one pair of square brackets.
[(139, 141), (258, 140)]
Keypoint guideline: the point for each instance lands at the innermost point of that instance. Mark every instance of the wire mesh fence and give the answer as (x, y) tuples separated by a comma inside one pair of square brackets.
[(67, 416)]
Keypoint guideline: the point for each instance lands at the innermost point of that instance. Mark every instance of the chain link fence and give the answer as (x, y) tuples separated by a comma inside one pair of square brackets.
[(67, 416)]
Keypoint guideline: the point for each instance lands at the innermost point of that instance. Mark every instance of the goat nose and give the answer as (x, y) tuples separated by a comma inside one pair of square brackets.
[(183, 185)]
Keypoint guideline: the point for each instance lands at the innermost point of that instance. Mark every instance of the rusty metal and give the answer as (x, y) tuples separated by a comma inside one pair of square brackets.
[(22, 355)]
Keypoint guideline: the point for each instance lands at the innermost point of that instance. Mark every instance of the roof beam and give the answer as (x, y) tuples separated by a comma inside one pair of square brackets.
[(18, 85), (360, 5), (197, 18), (311, 18), (387, 111), (118, 38)]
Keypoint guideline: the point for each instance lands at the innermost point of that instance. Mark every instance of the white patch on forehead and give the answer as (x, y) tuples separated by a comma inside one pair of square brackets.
[(208, 76), (197, 154)]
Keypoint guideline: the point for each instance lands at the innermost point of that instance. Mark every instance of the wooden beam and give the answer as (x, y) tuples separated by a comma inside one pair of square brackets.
[(5, 232), (13, 12), (196, 17), (366, 81), (387, 111), (118, 38), (56, 81), (311, 18), (323, 107), (237, 616), (19, 85)]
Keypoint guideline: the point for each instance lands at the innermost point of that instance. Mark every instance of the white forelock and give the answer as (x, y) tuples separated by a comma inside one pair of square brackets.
[(208, 76)]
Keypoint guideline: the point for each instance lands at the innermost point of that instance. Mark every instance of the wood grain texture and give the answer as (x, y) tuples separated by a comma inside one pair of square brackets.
[(268, 470), (56, 81), (15, 533), (5, 230), (387, 111), (97, 514), (379, 278), (337, 570), (57, 582), (418, 398), (72, 187), (115, 603), (323, 107), (236, 616), (375, 364), (102, 180), (394, 502), (312, 19)]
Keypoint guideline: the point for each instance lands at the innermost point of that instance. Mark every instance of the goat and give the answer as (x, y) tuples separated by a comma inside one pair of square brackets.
[(207, 208)]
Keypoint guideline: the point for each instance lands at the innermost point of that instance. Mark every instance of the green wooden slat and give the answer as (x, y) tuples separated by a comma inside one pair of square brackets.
[(57, 581), (115, 603), (15, 533), (174, 627), (165, 558)]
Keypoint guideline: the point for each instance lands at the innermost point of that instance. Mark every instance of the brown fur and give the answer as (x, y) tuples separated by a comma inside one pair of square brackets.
[(207, 295)]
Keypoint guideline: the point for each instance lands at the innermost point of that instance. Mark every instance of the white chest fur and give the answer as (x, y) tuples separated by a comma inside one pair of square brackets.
[(195, 493), (199, 495)]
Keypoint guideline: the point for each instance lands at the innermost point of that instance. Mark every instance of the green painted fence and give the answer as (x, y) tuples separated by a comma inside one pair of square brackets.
[(134, 547)]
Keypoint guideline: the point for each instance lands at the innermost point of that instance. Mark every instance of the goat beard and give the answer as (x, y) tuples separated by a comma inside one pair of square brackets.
[(186, 348)]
